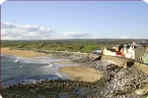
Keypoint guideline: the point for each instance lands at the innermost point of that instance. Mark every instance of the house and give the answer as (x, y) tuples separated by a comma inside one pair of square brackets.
[(116, 47), (123, 50), (132, 51), (129, 52), (111, 52)]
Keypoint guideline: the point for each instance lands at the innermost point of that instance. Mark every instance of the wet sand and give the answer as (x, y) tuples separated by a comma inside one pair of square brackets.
[(82, 73), (21, 53)]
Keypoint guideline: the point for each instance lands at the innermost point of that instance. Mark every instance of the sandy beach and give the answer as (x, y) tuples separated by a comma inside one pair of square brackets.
[(82, 73), (21, 53)]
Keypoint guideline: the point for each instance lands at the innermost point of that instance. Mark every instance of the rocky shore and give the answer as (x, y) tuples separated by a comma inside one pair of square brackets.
[(117, 82), (122, 83), (129, 82)]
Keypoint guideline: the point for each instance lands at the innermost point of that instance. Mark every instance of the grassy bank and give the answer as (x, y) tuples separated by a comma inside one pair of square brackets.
[(84, 45)]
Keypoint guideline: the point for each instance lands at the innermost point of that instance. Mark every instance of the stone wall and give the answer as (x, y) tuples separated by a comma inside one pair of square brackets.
[(123, 62), (120, 61)]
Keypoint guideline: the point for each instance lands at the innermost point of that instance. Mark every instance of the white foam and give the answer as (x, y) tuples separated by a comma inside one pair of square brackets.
[(49, 66)]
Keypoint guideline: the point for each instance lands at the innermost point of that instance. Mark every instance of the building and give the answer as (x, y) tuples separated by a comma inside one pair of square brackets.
[(110, 52), (133, 51), (129, 52)]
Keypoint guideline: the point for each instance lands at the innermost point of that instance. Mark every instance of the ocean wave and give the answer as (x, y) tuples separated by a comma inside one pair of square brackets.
[(27, 70)]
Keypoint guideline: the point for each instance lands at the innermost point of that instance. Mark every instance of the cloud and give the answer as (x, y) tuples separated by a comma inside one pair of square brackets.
[(2, 1), (76, 35), (25, 32), (146, 1), (12, 31)]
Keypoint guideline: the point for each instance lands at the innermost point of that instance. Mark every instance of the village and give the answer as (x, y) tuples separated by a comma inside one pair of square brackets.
[(135, 51)]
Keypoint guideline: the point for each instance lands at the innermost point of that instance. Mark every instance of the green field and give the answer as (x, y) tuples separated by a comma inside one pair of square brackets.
[(74, 45)]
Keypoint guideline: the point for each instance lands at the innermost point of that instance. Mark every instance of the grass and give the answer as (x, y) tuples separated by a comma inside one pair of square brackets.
[(85, 45)]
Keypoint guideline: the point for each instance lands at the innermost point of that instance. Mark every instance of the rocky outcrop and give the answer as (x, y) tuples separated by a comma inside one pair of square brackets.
[(142, 67), (50, 89), (121, 82), (119, 61)]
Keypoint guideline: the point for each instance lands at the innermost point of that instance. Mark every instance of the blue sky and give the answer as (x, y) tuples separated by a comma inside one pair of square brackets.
[(60, 20)]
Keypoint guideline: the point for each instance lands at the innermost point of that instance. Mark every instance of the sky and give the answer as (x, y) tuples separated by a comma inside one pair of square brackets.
[(74, 20)]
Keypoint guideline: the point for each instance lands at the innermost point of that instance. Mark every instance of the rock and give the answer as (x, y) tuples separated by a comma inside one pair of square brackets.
[(120, 81), (141, 92)]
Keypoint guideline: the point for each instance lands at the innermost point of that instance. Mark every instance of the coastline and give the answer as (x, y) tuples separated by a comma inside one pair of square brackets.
[(94, 72), (73, 69), (21, 53)]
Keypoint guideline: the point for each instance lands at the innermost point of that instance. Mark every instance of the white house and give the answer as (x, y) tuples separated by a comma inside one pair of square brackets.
[(108, 52), (129, 53)]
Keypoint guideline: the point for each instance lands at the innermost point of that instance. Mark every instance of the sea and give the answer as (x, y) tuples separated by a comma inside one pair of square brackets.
[(30, 70), (16, 70)]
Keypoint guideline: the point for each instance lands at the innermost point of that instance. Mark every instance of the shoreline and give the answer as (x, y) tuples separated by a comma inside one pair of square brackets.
[(116, 78), (82, 73), (72, 69), (21, 53)]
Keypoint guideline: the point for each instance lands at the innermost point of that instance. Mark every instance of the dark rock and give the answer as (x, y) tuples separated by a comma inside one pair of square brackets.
[(122, 82)]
